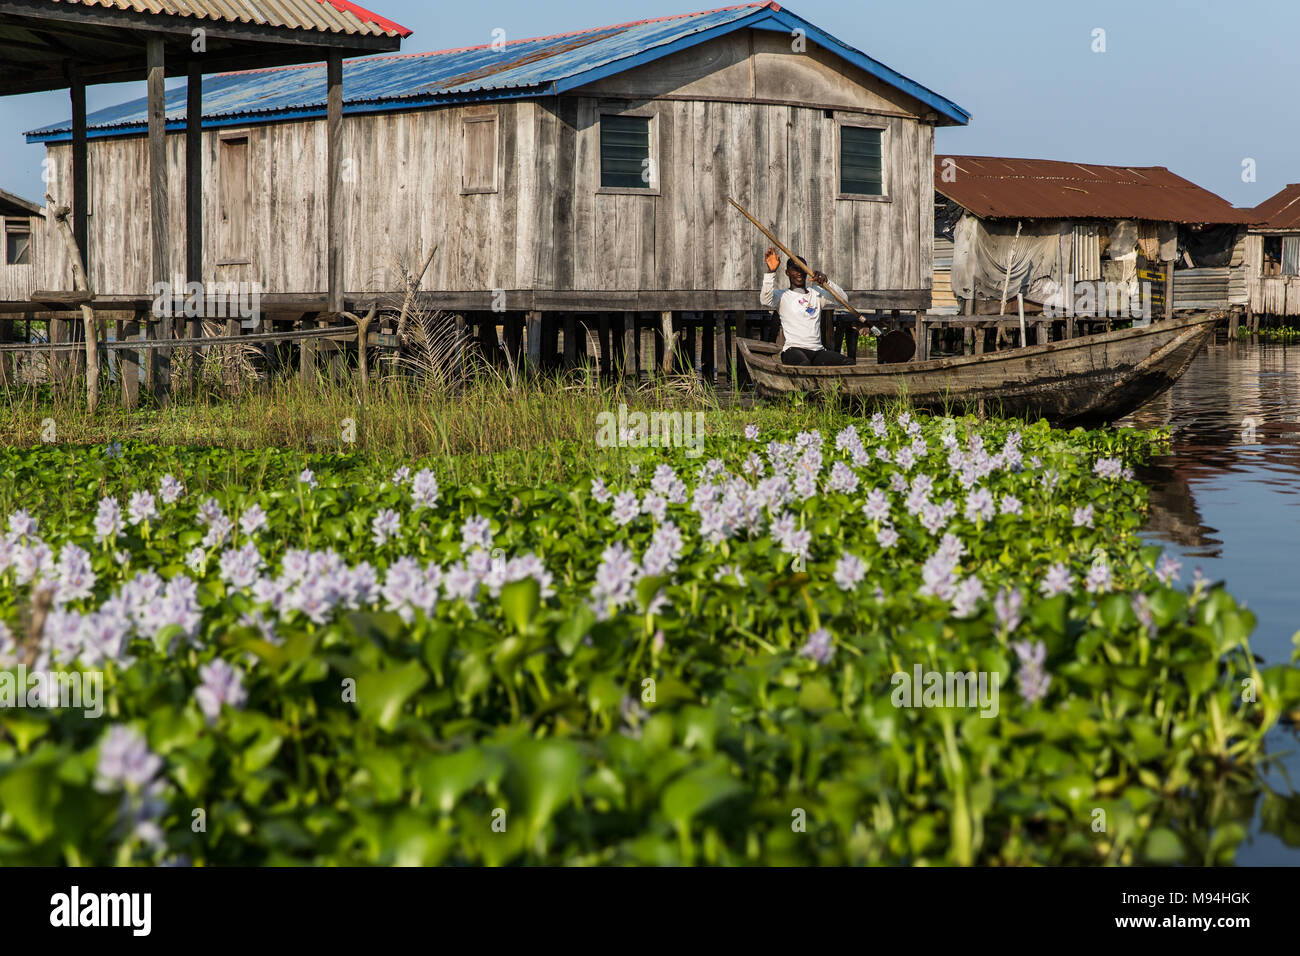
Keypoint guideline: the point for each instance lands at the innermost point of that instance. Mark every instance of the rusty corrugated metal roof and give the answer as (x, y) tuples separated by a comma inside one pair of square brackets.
[(1280, 212), (328, 16), (993, 187)]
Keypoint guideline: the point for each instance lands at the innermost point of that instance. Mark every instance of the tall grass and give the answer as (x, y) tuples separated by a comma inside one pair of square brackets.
[(538, 429)]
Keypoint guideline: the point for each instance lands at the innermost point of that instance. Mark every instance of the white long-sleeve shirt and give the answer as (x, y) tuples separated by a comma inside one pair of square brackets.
[(800, 311)]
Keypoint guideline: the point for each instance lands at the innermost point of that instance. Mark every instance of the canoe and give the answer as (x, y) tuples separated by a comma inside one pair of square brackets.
[(1087, 381)]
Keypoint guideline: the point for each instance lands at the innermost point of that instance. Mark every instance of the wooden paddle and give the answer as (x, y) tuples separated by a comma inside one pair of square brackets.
[(797, 261)]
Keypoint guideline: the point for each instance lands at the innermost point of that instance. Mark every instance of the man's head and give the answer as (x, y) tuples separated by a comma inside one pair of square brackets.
[(798, 278)]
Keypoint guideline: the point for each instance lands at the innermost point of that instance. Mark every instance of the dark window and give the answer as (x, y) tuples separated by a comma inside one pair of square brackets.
[(480, 159), (860, 168), (625, 152), (18, 244)]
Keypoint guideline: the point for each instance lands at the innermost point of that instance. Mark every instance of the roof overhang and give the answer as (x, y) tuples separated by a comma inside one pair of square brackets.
[(43, 43)]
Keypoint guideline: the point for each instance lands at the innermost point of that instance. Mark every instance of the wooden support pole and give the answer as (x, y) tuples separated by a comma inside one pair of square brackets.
[(603, 341), (194, 197), (720, 348), (707, 363), (92, 358), (740, 373), (1169, 289), (629, 346), (334, 190), (128, 360), (669, 342), (307, 352), (80, 166), (921, 336), (692, 356), (571, 335), (160, 358), (533, 321)]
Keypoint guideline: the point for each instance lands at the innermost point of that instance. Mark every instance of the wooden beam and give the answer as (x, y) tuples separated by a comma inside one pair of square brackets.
[(334, 192), (80, 204), (160, 359), (194, 194)]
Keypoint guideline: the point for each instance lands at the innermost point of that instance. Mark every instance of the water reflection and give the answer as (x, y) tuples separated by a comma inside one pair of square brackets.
[(1227, 499)]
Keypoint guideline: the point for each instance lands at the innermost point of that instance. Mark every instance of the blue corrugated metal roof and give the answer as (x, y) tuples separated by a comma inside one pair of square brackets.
[(538, 67)]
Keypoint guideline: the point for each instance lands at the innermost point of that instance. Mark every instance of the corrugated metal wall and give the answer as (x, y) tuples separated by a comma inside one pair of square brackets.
[(1201, 289), (1086, 258)]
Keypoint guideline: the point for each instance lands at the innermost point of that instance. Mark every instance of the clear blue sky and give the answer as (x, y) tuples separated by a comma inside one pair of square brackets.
[(1196, 86)]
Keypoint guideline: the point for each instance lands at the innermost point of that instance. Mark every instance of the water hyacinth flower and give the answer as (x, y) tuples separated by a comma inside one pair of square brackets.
[(656, 506), (1006, 607), (1010, 505), (21, 524), (125, 761), (424, 489), (1058, 580), (887, 537), (113, 450), (615, 581), (386, 524), (897, 482), (1111, 468), (240, 566), (75, 576), (876, 506), (307, 477), (220, 684), (751, 432), (108, 520), (219, 529), (599, 492), (1098, 580), (1083, 517), (979, 505), (197, 561), (843, 479), (401, 476), (626, 507), (1145, 616), (819, 647), (1168, 569), (476, 532), (170, 489), (849, 571), (969, 592), (905, 458), (728, 571), (141, 507), (1033, 679), (252, 520)]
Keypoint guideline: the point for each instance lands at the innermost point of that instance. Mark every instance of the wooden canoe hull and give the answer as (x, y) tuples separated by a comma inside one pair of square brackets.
[(1084, 381)]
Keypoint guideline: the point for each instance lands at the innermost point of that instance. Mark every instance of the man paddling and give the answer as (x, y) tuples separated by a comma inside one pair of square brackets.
[(800, 308)]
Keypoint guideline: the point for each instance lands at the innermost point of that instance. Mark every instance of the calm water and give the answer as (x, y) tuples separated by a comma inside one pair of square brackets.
[(1227, 500)]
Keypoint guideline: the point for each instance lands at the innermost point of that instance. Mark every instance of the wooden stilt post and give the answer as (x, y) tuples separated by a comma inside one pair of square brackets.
[(707, 363), (1169, 289), (629, 345), (92, 358), (128, 360), (194, 199), (669, 343), (720, 348), (571, 335), (740, 374), (534, 344), (160, 358)]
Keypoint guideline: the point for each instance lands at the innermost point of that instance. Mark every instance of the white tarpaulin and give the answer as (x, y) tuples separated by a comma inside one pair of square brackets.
[(983, 251)]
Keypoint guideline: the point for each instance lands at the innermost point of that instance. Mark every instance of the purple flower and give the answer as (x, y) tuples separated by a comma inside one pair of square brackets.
[(1111, 468), (1006, 605), (1058, 580), (108, 520), (307, 477), (843, 478), (615, 579), (141, 507), (401, 476), (252, 520), (970, 591), (877, 505), (819, 646), (197, 560), (887, 537), (240, 567), (751, 432), (979, 505), (170, 489), (849, 571), (125, 761), (1168, 569), (598, 491), (1145, 616), (424, 489), (626, 507), (1010, 505), (1033, 680), (476, 532), (1098, 580), (1083, 517), (386, 524), (221, 684)]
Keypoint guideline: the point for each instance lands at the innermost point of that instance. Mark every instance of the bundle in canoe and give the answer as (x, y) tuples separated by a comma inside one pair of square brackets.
[(1082, 381)]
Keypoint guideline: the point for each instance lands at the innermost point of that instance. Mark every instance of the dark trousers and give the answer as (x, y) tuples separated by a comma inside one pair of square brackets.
[(809, 357)]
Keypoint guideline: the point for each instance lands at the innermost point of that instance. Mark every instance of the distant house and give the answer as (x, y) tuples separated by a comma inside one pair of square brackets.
[(22, 224), (1273, 255), (1054, 222), (579, 172)]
